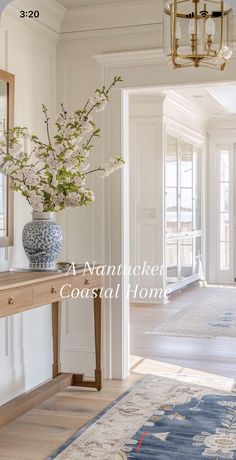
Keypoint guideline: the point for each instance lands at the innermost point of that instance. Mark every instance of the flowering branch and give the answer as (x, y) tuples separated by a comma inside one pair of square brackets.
[(114, 164), (45, 111), (52, 176)]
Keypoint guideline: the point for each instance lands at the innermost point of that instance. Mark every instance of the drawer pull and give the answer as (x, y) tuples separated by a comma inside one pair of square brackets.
[(53, 290), (87, 281), (10, 301)]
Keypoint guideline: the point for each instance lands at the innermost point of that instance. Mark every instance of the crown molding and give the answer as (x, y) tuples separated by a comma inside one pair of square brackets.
[(142, 104), (224, 124), (79, 3), (51, 13), (112, 15), (152, 32), (190, 110)]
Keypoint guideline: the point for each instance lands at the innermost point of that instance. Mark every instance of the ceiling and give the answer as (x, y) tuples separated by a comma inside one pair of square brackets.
[(214, 100), (208, 101), (76, 3)]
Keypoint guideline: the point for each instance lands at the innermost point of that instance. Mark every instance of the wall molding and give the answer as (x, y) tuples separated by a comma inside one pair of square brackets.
[(136, 57), (139, 57), (78, 349)]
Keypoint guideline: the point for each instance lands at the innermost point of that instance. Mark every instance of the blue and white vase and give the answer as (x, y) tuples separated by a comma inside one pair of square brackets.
[(42, 241)]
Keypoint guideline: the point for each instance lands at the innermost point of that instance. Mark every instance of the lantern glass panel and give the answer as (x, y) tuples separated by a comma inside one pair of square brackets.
[(167, 27)]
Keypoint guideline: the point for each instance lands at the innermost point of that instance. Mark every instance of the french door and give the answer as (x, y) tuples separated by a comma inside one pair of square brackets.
[(183, 212)]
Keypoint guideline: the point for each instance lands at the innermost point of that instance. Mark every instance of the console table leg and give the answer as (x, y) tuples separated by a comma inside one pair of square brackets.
[(56, 337), (98, 339)]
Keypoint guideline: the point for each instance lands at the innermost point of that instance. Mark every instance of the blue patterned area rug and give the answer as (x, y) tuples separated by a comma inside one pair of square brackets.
[(159, 419)]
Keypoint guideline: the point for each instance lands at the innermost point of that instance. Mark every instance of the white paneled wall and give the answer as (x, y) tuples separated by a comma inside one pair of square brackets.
[(146, 186), (27, 50)]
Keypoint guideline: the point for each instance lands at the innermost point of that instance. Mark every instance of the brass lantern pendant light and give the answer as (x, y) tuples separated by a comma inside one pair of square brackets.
[(197, 33)]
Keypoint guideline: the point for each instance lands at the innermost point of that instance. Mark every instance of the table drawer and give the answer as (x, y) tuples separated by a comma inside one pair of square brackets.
[(15, 300), (84, 281), (49, 291)]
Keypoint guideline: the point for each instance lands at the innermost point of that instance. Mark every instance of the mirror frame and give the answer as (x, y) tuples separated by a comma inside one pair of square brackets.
[(8, 240)]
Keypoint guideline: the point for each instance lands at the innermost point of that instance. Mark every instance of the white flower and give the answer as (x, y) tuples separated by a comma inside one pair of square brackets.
[(70, 164), (86, 127), (26, 133), (23, 188), (52, 163), (15, 150), (78, 140), (18, 175), (47, 188), (85, 153), (73, 199), (60, 119), (31, 176), (111, 166), (31, 181), (8, 168), (79, 181), (36, 202), (90, 194), (85, 123), (39, 152), (59, 148), (101, 101), (57, 199), (84, 167), (54, 182)]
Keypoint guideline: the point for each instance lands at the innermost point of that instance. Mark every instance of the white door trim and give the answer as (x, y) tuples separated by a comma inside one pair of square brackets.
[(221, 133)]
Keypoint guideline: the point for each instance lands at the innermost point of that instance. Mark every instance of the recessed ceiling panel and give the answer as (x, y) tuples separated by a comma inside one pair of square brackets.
[(225, 95)]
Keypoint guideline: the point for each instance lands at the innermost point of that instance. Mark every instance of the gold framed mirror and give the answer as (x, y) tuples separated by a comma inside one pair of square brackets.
[(7, 86)]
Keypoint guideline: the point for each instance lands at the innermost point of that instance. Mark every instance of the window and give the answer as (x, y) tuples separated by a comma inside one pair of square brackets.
[(224, 210), (183, 211)]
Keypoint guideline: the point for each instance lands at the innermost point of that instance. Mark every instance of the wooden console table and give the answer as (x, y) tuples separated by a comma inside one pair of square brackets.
[(21, 291)]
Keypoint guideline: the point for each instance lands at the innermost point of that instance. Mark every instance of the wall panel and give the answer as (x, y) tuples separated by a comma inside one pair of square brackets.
[(25, 339)]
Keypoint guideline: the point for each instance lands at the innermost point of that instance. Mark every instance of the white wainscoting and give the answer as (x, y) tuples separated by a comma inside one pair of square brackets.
[(29, 51)]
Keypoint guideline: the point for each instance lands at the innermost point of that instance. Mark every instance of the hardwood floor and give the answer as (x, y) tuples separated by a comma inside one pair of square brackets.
[(198, 360), (38, 433), (216, 355)]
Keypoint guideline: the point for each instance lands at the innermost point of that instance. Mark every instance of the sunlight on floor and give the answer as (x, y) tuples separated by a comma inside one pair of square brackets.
[(144, 366), (221, 286)]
